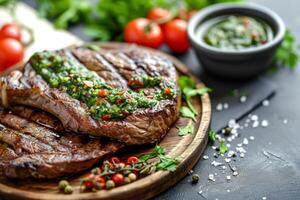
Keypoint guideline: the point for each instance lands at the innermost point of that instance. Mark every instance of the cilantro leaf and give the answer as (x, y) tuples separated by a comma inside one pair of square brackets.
[(188, 129), (223, 148), (212, 136), (189, 90), (167, 163), (288, 52), (186, 82), (187, 112), (158, 150)]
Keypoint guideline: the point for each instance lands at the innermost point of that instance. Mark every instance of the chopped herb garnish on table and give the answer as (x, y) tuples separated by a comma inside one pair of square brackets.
[(185, 130), (222, 148), (288, 52), (212, 136)]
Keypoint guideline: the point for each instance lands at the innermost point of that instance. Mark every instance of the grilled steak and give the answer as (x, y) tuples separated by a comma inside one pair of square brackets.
[(127, 94), (30, 150)]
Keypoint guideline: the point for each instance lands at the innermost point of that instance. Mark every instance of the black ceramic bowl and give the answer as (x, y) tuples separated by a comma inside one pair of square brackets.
[(244, 63)]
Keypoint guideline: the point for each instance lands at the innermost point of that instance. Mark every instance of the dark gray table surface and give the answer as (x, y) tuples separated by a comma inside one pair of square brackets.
[(272, 175)]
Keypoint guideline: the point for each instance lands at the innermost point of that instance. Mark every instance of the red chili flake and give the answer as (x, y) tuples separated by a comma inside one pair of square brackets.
[(88, 83), (135, 83), (168, 91), (105, 116), (100, 100), (254, 35), (103, 93), (125, 112), (119, 100), (88, 95)]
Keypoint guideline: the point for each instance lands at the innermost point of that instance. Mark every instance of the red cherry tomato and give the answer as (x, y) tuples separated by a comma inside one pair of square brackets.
[(88, 180), (11, 52), (142, 31), (101, 181), (122, 165), (114, 160), (10, 31), (118, 178), (176, 36), (157, 14), (132, 159)]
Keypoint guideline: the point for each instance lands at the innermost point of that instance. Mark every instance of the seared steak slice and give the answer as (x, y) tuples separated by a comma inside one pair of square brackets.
[(30, 150), (117, 68)]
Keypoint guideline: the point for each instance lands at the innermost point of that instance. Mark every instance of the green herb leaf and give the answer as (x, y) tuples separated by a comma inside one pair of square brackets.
[(187, 112), (223, 148), (288, 52), (158, 150), (189, 90), (167, 163), (186, 82), (188, 129), (212, 136)]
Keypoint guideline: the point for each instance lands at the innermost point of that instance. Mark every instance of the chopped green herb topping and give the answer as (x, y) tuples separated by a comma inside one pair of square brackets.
[(104, 101)]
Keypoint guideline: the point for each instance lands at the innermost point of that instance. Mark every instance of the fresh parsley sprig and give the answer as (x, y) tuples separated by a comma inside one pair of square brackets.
[(185, 130), (288, 52), (165, 163), (189, 90)]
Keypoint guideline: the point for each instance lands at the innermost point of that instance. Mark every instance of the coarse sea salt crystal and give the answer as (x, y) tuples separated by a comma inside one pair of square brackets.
[(216, 164), (264, 123), (228, 145), (230, 153), (224, 167), (225, 105), (242, 155), (255, 124), (235, 173), (266, 102), (264, 198), (211, 177), (245, 141), (228, 190), (205, 157), (251, 137), (285, 121), (227, 160), (228, 178), (231, 123), (254, 117), (243, 99), (219, 107)]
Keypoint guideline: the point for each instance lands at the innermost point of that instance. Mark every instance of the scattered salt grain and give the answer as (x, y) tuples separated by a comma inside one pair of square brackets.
[(243, 99), (240, 144), (205, 157), (211, 177), (228, 145), (245, 141), (254, 118), (228, 178), (235, 173), (219, 107), (214, 147), (266, 103), (251, 137), (242, 155), (227, 160), (225, 105), (264, 123), (255, 124), (228, 190), (285, 121), (231, 123), (230, 153), (224, 167), (264, 198), (216, 164)]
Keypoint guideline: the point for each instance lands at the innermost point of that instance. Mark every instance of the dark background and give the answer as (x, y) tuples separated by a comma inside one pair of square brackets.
[(276, 176)]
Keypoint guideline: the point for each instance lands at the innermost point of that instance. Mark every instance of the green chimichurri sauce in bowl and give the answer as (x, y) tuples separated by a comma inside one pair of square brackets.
[(235, 40), (234, 32)]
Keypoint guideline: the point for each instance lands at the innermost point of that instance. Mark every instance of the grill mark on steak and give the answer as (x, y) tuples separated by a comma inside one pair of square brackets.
[(70, 153), (38, 116), (96, 62), (147, 125)]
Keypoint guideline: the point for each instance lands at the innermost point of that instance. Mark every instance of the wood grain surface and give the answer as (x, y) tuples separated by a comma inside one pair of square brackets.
[(189, 147)]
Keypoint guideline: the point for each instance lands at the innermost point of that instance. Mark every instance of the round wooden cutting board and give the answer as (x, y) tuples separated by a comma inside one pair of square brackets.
[(189, 147)]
